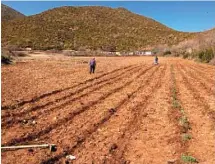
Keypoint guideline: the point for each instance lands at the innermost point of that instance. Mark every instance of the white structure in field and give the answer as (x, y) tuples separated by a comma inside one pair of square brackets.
[(143, 53), (118, 53), (28, 49), (148, 53)]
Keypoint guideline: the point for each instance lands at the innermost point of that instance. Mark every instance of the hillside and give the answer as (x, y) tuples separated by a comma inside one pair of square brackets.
[(201, 47), (88, 28), (8, 13)]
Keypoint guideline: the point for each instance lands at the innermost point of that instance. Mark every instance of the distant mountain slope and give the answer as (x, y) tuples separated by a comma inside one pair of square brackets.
[(201, 47), (8, 13), (89, 28)]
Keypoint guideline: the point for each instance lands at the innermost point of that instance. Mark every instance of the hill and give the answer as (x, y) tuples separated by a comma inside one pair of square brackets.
[(89, 28), (200, 47), (8, 13)]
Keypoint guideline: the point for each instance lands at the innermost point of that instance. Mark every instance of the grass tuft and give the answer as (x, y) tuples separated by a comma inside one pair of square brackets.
[(186, 137), (187, 158)]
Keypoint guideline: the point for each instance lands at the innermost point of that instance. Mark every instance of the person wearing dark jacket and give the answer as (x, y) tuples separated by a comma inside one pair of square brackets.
[(156, 60), (92, 65)]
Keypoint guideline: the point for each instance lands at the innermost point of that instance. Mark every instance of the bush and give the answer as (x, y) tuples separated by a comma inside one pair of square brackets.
[(167, 53), (5, 59), (177, 54), (185, 55), (206, 55)]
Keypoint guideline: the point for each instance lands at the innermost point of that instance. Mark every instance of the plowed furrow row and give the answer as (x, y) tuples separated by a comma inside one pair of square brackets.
[(35, 99), (201, 144), (205, 68), (209, 77), (204, 83), (93, 130), (138, 115), (56, 103), (62, 97), (209, 106), (156, 134), (71, 115), (47, 112)]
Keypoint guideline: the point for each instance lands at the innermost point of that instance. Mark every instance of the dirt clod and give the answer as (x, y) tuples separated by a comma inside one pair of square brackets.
[(113, 148), (112, 110)]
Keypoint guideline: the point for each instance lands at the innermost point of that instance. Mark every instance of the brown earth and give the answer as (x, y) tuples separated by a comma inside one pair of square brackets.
[(121, 114)]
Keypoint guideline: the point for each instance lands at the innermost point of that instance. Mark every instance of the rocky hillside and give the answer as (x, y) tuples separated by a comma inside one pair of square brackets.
[(201, 47), (91, 27), (8, 13)]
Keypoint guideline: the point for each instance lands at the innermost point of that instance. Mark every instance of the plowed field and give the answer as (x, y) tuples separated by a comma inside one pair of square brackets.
[(129, 111)]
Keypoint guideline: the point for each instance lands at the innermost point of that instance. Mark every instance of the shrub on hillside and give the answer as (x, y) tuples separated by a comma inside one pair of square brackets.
[(167, 53), (185, 55), (6, 57), (206, 55), (94, 27)]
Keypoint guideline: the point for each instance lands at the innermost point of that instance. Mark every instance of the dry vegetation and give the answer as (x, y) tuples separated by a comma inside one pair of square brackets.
[(102, 29), (8, 13), (82, 28), (201, 48)]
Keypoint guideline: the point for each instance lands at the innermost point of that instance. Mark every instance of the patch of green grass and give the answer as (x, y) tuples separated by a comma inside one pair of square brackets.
[(182, 111), (186, 137), (174, 92), (176, 104), (187, 158), (183, 120), (184, 123)]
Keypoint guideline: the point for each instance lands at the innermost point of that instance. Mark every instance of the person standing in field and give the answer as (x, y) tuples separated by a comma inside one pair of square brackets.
[(156, 60), (92, 65)]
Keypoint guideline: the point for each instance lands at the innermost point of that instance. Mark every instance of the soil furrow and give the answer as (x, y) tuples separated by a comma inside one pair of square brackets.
[(205, 67), (203, 82), (201, 144), (13, 120), (139, 113), (71, 115), (35, 99), (47, 111), (206, 99), (209, 77), (61, 98), (95, 128)]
